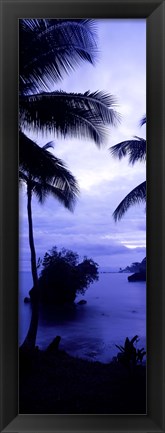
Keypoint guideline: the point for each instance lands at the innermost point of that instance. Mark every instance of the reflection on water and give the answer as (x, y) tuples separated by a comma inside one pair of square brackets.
[(115, 309)]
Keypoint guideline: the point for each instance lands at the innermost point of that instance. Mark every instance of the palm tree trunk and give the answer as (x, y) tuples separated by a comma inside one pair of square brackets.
[(30, 339)]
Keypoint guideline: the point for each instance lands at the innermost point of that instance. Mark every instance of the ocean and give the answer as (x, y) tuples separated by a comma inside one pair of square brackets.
[(115, 309)]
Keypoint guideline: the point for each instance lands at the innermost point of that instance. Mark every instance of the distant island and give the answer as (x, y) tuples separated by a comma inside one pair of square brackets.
[(138, 269)]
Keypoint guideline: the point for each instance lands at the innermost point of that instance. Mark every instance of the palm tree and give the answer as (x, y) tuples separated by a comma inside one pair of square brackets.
[(48, 50), (136, 151), (51, 48), (69, 114), (43, 174)]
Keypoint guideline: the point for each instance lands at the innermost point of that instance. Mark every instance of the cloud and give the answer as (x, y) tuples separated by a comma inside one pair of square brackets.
[(104, 181)]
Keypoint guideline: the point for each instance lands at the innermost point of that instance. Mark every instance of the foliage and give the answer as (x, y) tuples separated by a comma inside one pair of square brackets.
[(46, 174), (136, 196), (43, 175), (62, 276), (51, 48), (128, 354), (136, 267), (69, 114), (136, 151)]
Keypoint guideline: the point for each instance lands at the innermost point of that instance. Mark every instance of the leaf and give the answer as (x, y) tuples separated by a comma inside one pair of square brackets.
[(51, 48), (135, 339), (70, 114), (143, 121), (120, 348), (47, 174), (136, 196), (134, 149)]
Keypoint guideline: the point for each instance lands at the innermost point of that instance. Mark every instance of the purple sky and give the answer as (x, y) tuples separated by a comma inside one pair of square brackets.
[(103, 180)]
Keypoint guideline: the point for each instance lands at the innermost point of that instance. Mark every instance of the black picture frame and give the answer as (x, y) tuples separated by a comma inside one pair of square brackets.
[(154, 12)]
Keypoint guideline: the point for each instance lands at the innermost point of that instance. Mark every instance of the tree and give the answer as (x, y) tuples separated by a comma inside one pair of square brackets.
[(63, 276), (69, 114), (136, 151), (51, 48), (48, 50), (43, 174)]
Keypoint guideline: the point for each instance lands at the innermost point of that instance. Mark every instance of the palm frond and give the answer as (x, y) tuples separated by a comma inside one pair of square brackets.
[(134, 149), (23, 177), (51, 48), (143, 121), (137, 195), (70, 114), (48, 174), (64, 195), (33, 159), (49, 145)]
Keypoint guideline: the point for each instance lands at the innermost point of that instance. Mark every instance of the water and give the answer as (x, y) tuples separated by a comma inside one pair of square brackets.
[(115, 309)]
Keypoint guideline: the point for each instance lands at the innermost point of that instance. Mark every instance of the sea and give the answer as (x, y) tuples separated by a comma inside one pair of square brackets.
[(115, 309)]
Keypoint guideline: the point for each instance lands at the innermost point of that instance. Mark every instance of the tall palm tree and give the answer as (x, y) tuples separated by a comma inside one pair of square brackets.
[(43, 174), (136, 151), (48, 50)]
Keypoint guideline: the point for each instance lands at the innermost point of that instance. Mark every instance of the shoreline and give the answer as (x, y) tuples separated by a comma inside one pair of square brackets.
[(113, 305)]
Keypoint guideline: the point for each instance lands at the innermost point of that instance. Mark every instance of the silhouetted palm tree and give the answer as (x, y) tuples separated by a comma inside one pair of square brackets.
[(136, 196), (69, 114), (136, 151), (48, 50), (51, 48), (43, 174)]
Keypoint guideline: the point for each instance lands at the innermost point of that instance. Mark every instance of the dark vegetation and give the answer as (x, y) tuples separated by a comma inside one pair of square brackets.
[(129, 355), (53, 382), (49, 49), (136, 151), (138, 276), (139, 270), (135, 267), (63, 277)]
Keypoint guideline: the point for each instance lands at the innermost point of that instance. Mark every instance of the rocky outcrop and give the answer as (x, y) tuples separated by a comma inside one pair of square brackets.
[(138, 269), (135, 267), (138, 276)]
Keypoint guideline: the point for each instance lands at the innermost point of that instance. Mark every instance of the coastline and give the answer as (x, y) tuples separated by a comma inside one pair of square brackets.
[(115, 309)]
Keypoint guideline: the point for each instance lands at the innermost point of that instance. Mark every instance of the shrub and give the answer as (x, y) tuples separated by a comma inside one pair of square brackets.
[(62, 276), (129, 354)]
